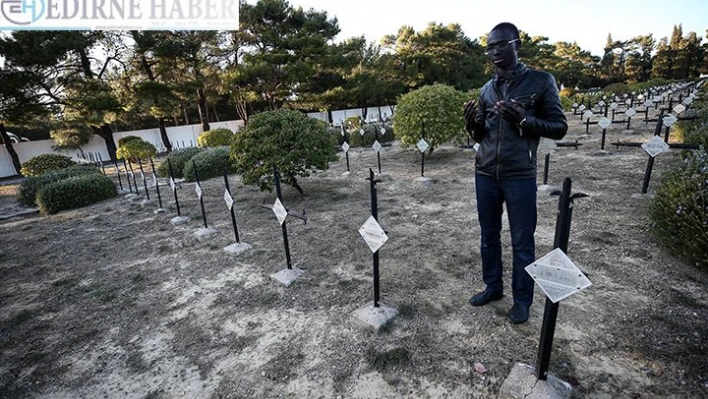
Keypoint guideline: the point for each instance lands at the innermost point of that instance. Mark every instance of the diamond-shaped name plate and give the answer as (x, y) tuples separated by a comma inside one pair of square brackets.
[(630, 112), (373, 234), (601, 103), (376, 146), (172, 184), (198, 190), (345, 146), (655, 146), (361, 132), (228, 199), (688, 100), (679, 108), (280, 212), (604, 123), (581, 108), (614, 105), (383, 130), (588, 114), (648, 103), (669, 120), (557, 276), (422, 145)]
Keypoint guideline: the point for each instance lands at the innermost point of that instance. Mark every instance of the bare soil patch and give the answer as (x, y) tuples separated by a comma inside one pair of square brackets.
[(112, 301)]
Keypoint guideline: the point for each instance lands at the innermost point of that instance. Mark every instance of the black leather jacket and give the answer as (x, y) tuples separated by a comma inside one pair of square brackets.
[(507, 151)]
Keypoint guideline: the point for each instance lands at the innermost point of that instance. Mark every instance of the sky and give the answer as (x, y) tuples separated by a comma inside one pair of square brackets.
[(586, 22)]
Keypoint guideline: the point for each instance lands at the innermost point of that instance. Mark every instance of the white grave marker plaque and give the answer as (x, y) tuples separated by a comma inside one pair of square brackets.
[(172, 184), (423, 145), (198, 190), (557, 276), (647, 103), (630, 112), (604, 123), (679, 108), (476, 147), (154, 179), (614, 105), (687, 100), (280, 212), (228, 199), (588, 114), (575, 105), (655, 146), (669, 120), (383, 130), (361, 132), (601, 103), (345, 146), (373, 234), (581, 108), (377, 146)]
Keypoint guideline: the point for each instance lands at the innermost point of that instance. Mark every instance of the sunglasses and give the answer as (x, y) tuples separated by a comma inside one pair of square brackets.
[(499, 46)]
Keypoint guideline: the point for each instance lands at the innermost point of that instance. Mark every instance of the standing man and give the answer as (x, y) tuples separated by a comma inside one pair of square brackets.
[(515, 109)]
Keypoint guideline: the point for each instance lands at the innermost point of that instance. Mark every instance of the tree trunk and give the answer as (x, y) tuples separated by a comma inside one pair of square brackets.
[(186, 115), (216, 114), (329, 116), (104, 131), (203, 117), (163, 134), (10, 150)]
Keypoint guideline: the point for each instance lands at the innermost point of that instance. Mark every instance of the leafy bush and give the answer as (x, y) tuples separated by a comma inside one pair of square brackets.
[(567, 92), (566, 103), (290, 140), (617, 89), (679, 211), (439, 107), (75, 192), (134, 150), (178, 159), (371, 132), (41, 164), (32, 185), (215, 137), (209, 163), (127, 139)]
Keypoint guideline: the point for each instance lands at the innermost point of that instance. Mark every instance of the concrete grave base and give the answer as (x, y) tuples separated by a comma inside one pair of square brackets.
[(346, 174), (146, 202), (179, 220), (423, 181), (159, 210), (287, 276), (369, 316), (547, 188), (522, 383), (205, 232), (238, 248), (627, 131), (602, 153), (131, 196)]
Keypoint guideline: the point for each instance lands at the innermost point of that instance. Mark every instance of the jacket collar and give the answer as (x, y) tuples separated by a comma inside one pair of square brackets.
[(511, 75)]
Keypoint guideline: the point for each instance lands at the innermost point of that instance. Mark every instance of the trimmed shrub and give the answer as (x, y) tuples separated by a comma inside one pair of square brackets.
[(209, 163), (41, 164), (679, 211), (32, 185), (75, 192), (127, 139), (134, 150), (439, 107), (178, 159), (218, 137), (295, 143), (371, 131)]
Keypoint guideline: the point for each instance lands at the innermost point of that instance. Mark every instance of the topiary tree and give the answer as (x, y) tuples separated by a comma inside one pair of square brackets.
[(220, 136), (293, 142), (134, 150), (126, 139), (209, 163), (437, 109), (178, 159), (41, 164)]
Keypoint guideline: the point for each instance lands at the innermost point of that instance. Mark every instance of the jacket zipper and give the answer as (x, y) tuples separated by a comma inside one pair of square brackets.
[(500, 136)]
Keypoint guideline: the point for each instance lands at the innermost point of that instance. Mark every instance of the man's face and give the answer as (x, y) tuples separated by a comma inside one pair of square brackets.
[(505, 59)]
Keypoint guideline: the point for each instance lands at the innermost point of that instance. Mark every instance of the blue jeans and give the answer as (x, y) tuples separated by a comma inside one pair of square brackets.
[(520, 198)]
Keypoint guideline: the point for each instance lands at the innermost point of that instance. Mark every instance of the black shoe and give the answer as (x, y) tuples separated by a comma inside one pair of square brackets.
[(518, 313), (485, 297)]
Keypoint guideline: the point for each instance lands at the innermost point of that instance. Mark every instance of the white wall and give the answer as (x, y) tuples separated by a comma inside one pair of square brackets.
[(180, 137)]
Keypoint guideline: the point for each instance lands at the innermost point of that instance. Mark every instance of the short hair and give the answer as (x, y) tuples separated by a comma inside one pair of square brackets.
[(508, 27)]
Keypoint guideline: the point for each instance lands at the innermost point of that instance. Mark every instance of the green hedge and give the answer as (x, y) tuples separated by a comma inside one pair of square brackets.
[(45, 163), (178, 159), (136, 149), (218, 137), (210, 163), (32, 185), (75, 192), (370, 132), (679, 211)]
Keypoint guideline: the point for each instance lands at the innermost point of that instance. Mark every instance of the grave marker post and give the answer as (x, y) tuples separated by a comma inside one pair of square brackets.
[(375, 215), (550, 314), (100, 160), (157, 183), (173, 186), (650, 162), (120, 181), (135, 181), (198, 190), (230, 202), (127, 176), (145, 184)]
